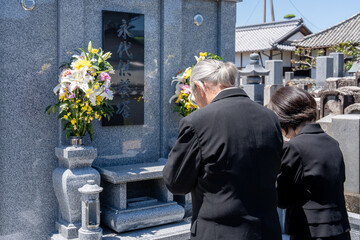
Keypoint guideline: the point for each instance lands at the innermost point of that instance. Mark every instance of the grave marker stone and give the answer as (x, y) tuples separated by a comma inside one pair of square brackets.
[(338, 64), (274, 81), (324, 69)]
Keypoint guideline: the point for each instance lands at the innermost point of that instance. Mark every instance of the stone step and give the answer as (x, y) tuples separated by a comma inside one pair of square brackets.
[(174, 231), (141, 202), (132, 172), (142, 217)]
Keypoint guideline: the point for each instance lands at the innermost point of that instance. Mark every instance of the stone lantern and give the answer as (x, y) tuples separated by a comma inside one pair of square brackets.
[(253, 72), (90, 217)]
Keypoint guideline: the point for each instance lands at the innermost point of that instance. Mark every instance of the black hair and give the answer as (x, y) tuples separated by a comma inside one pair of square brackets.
[(293, 106)]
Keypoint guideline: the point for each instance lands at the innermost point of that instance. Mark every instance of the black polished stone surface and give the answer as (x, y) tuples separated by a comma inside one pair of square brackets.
[(123, 36)]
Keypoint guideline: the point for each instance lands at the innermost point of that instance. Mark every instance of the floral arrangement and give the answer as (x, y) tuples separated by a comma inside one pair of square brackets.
[(183, 103), (84, 90)]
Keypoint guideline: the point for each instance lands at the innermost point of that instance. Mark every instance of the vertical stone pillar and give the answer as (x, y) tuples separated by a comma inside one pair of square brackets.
[(346, 130), (275, 76), (338, 64), (289, 76), (274, 80), (324, 69), (74, 171)]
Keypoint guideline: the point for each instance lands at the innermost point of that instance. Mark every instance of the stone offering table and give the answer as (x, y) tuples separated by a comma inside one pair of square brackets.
[(135, 196)]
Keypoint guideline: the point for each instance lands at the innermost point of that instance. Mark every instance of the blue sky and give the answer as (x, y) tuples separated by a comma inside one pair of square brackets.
[(317, 14)]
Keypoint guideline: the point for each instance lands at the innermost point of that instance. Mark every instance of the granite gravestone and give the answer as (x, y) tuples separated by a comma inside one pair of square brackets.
[(52, 31), (324, 69), (274, 81)]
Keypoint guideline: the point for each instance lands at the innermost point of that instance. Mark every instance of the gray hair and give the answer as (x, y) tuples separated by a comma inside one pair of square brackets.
[(215, 72)]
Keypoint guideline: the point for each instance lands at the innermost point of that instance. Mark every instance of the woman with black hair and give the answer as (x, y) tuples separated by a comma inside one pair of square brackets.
[(310, 183)]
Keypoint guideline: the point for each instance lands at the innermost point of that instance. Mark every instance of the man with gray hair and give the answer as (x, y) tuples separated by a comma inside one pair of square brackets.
[(227, 155)]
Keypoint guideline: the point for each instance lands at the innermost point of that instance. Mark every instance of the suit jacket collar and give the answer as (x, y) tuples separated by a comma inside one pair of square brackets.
[(229, 92), (311, 128)]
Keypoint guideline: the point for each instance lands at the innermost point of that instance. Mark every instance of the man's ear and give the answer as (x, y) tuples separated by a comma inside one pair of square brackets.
[(200, 88)]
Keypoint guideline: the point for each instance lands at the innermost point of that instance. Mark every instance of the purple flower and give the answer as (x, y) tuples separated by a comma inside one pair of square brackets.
[(186, 89), (105, 76), (72, 95)]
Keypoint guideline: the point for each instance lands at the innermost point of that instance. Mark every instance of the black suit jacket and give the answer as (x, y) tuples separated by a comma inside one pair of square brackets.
[(311, 185), (228, 155)]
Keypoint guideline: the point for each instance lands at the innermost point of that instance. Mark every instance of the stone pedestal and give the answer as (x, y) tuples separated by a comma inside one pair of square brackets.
[(354, 220), (74, 171), (135, 196), (255, 92), (338, 64), (346, 129), (324, 69)]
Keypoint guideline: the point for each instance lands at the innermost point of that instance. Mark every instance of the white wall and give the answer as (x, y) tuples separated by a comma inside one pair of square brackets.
[(296, 36), (276, 56)]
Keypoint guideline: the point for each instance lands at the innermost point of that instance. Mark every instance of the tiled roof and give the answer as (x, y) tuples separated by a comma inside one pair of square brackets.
[(286, 47), (347, 30), (267, 36)]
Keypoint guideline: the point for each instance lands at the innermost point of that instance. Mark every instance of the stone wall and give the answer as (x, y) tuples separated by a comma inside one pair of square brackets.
[(33, 43), (29, 69)]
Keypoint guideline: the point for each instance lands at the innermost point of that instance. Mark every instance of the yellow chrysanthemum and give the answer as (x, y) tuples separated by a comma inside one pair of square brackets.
[(82, 63), (188, 73), (94, 50), (98, 100), (73, 121), (181, 96), (65, 117), (203, 54)]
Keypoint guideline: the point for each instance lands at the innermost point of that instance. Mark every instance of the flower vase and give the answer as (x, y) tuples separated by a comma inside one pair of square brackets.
[(76, 140), (73, 172)]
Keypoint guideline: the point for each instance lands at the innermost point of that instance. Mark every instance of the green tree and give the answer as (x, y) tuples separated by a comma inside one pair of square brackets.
[(289, 16), (349, 50), (306, 60)]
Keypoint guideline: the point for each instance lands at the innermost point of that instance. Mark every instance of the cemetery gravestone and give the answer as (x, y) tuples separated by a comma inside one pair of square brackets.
[(338, 64), (274, 81), (53, 31), (324, 69)]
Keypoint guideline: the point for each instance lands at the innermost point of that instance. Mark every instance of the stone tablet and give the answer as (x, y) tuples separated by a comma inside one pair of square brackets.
[(123, 35)]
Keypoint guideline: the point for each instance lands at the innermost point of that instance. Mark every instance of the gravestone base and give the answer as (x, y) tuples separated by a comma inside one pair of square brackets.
[(255, 92), (135, 196), (142, 217), (173, 231), (185, 202), (352, 202), (57, 236), (67, 230), (354, 220), (269, 90), (85, 234)]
